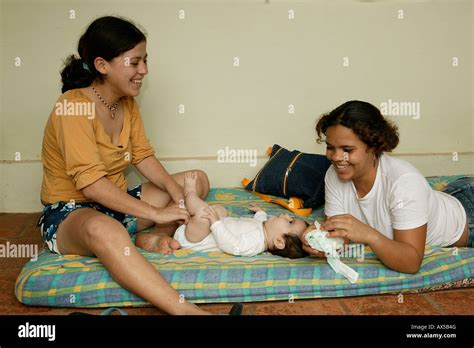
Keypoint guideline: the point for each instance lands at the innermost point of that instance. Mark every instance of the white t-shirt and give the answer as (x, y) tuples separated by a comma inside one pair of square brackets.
[(240, 235), (401, 199)]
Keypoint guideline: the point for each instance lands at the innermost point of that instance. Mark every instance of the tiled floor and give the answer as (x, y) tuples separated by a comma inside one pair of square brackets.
[(20, 228)]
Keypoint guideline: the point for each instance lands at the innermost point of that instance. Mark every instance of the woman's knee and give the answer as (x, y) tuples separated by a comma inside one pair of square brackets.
[(102, 231)]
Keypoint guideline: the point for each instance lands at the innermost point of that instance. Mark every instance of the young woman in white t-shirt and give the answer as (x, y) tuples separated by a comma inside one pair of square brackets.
[(382, 201)]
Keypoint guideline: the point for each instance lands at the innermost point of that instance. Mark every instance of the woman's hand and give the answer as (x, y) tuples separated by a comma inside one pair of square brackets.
[(210, 214), (307, 247), (172, 213), (348, 227)]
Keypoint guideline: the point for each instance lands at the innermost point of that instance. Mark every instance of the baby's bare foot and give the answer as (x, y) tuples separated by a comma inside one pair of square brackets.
[(190, 179)]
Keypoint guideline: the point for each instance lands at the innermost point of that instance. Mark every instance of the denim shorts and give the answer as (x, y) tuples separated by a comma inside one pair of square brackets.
[(54, 214), (463, 190)]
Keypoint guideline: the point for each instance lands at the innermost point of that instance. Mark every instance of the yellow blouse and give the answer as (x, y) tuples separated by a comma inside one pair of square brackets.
[(77, 151)]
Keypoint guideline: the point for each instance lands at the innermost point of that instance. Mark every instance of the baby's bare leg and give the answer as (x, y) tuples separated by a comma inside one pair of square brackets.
[(197, 228), (194, 203)]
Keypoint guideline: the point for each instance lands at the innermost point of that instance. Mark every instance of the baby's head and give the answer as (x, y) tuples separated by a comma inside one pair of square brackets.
[(283, 236)]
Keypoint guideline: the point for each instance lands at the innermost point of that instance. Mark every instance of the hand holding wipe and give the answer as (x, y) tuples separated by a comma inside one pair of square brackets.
[(318, 240)]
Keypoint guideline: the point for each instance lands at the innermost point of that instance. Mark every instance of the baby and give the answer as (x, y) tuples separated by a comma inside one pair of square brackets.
[(211, 229)]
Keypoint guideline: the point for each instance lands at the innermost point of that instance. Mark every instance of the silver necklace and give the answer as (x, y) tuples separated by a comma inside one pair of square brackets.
[(112, 109)]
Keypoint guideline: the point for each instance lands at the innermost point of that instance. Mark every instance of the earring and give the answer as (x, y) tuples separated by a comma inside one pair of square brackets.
[(375, 161)]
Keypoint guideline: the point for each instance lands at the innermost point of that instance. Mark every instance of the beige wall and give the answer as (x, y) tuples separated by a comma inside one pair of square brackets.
[(283, 61)]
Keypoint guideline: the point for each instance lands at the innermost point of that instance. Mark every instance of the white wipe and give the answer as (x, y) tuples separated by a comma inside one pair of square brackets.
[(318, 240)]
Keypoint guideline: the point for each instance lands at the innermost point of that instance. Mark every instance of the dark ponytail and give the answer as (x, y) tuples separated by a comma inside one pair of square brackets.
[(106, 37), (76, 74)]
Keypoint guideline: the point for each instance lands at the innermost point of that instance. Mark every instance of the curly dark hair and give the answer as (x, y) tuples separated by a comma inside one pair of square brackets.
[(366, 121), (293, 248)]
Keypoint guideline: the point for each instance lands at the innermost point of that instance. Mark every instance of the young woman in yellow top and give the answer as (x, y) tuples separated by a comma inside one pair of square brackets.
[(93, 133)]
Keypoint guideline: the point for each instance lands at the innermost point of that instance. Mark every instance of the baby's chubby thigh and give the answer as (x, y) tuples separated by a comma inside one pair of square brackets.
[(199, 227)]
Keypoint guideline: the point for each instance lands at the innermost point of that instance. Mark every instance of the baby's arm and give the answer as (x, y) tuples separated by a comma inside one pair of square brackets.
[(260, 214), (211, 214), (253, 207), (226, 240), (229, 240)]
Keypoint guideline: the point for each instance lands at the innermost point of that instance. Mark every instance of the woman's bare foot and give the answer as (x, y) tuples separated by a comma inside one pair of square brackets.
[(157, 243), (192, 309)]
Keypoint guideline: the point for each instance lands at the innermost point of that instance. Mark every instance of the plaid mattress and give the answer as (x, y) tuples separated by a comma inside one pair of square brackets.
[(75, 281)]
